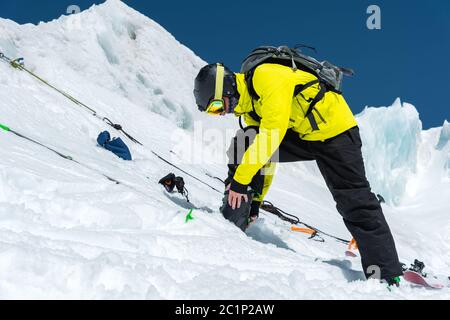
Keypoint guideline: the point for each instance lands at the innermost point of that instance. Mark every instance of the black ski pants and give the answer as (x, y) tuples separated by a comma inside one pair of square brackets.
[(341, 163)]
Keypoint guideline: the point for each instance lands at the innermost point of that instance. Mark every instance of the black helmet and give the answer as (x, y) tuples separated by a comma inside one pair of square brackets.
[(205, 85)]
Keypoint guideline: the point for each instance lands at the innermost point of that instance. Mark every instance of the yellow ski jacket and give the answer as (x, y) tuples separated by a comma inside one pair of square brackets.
[(279, 111)]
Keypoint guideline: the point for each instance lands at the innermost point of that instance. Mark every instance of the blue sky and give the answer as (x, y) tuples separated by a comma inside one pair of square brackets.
[(407, 58)]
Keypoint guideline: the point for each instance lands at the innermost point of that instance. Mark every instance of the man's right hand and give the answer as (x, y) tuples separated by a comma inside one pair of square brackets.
[(235, 199)]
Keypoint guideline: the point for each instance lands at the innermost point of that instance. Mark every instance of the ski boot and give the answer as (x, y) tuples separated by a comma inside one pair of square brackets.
[(393, 282)]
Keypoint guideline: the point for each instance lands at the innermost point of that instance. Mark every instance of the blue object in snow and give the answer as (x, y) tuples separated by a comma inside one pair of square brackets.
[(116, 145)]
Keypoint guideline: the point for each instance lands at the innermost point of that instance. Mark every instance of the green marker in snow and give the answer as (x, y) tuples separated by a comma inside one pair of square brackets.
[(4, 127), (189, 216)]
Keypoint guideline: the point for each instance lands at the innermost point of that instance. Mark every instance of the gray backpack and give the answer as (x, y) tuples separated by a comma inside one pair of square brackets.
[(329, 76)]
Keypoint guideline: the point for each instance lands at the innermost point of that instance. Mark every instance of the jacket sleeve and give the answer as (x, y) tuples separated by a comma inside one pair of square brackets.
[(275, 88), (269, 173)]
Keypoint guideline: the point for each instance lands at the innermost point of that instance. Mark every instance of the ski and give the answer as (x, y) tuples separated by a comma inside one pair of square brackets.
[(421, 280), (415, 275)]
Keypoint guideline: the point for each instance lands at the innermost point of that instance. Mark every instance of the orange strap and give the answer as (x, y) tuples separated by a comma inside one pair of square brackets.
[(303, 230), (353, 245)]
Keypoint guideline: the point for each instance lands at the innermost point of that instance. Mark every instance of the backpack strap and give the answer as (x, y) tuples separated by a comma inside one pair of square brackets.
[(249, 82), (319, 96), (253, 113), (302, 87), (298, 90), (313, 122), (253, 95)]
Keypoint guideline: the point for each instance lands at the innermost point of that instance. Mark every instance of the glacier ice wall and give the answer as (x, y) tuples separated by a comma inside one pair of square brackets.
[(444, 136), (444, 146), (391, 136)]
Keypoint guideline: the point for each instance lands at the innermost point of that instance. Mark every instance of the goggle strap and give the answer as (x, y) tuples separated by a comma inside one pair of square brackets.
[(219, 81)]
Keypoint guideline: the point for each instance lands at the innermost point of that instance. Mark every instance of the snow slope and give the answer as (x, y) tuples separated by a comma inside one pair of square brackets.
[(68, 232)]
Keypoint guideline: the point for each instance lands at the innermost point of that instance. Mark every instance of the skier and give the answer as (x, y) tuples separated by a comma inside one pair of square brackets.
[(280, 130)]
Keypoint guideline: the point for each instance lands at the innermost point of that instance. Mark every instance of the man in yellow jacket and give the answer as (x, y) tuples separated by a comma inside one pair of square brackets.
[(281, 128)]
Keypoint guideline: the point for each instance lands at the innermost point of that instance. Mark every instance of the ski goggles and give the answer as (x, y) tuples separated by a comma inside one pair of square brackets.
[(217, 105)]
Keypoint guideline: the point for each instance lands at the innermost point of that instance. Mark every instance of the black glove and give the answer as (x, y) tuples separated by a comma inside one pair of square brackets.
[(254, 209), (171, 181)]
